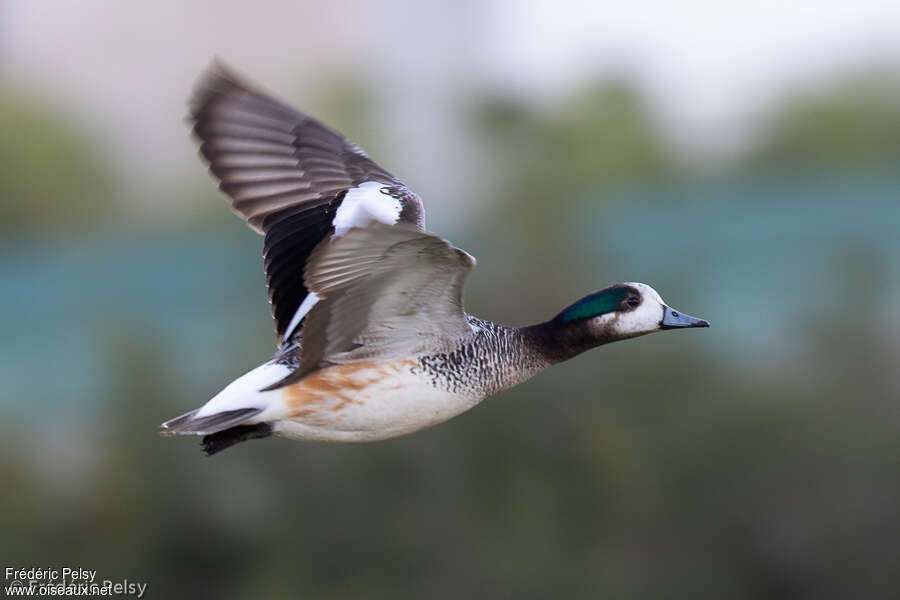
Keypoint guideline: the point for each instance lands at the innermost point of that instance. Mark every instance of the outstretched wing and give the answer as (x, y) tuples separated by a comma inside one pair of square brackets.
[(288, 176), (385, 291)]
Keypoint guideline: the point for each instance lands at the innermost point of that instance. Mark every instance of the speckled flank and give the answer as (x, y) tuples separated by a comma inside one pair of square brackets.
[(495, 358)]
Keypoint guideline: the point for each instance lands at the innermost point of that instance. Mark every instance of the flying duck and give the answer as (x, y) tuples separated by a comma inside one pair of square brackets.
[(372, 338)]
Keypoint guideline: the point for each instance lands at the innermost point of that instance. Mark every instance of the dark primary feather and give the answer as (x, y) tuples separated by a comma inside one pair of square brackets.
[(285, 174)]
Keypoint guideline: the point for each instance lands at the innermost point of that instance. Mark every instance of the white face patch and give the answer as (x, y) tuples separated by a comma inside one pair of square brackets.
[(646, 318), (365, 203), (361, 205)]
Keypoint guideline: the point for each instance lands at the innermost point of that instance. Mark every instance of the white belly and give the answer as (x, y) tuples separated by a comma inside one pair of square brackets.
[(364, 402)]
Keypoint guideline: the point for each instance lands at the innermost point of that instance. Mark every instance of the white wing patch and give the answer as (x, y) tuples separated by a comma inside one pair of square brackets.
[(304, 308), (365, 203), (361, 205)]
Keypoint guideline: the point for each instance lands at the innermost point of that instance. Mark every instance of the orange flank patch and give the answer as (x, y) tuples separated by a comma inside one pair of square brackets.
[(333, 388)]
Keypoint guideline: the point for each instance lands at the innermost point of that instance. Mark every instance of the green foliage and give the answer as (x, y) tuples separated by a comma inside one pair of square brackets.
[(602, 134), (51, 175), (852, 122)]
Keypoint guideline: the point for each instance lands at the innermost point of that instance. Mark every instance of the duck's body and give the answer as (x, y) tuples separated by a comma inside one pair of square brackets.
[(374, 400), (379, 399), (373, 339)]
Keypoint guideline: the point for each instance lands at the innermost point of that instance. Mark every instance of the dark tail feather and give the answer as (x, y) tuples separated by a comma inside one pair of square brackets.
[(216, 442), (173, 426), (189, 423)]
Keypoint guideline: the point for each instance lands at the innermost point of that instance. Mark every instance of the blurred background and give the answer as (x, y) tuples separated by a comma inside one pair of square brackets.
[(740, 158)]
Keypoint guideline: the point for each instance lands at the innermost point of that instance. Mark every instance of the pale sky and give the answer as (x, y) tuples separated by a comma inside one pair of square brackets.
[(706, 63), (708, 67)]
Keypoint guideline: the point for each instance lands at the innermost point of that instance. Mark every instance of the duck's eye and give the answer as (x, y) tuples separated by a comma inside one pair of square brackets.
[(633, 301)]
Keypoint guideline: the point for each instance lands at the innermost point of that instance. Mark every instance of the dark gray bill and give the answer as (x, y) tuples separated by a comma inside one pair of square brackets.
[(673, 319)]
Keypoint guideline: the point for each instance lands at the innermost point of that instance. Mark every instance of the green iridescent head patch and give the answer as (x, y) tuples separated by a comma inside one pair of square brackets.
[(595, 304)]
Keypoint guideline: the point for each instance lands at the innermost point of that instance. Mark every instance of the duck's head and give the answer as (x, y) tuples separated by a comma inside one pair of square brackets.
[(621, 311)]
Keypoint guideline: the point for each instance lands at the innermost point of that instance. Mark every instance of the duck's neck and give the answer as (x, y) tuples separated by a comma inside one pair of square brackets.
[(503, 357), (557, 342)]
